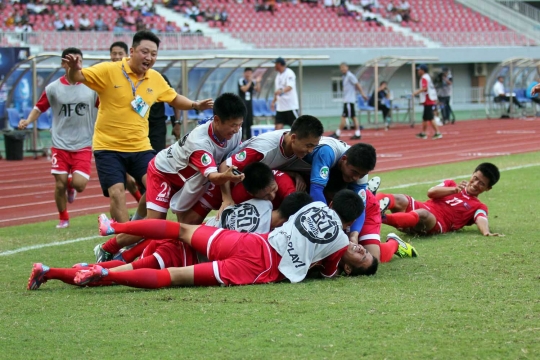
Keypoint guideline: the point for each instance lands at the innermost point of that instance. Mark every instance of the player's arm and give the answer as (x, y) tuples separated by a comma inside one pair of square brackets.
[(320, 172), (220, 178), (246, 87), (41, 106), (448, 187), (359, 88), (482, 223), (422, 89)]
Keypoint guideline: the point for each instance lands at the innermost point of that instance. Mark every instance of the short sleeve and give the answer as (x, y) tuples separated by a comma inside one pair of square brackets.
[(204, 162), (320, 166)]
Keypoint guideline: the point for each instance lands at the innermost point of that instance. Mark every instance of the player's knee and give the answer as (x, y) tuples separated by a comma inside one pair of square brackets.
[(117, 191), (61, 185)]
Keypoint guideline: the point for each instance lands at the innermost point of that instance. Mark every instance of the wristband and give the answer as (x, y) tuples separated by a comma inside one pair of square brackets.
[(193, 105)]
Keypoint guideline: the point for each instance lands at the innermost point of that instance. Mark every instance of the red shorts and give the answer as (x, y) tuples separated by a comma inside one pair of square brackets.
[(69, 162), (160, 187), (170, 253), (236, 258), (211, 200), (371, 230), (440, 227)]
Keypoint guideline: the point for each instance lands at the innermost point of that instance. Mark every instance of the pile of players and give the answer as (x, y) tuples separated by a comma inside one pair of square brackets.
[(290, 203)]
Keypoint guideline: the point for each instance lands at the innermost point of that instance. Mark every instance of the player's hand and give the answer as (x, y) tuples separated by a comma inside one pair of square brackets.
[(273, 106), (461, 186), (300, 183), (365, 97), (72, 62), (535, 90), (204, 104), (176, 131), (229, 174), (353, 237), (23, 124), (224, 204), (494, 234)]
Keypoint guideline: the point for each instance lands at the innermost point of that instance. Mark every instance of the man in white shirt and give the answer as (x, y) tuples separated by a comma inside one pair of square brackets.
[(84, 23), (501, 95), (68, 23), (285, 97)]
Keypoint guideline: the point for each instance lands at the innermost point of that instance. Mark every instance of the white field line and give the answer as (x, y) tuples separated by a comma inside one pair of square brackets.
[(59, 243)]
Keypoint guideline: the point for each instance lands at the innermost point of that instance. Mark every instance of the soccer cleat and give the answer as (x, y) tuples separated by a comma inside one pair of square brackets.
[(37, 277), (104, 224), (421, 136), (404, 249), (383, 204), (335, 136), (80, 266), (356, 137), (71, 194), (373, 184), (94, 273), (63, 224), (102, 255), (437, 136)]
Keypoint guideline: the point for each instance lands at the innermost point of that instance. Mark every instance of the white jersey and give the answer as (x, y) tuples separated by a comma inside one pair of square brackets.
[(253, 215), (430, 89), (312, 234), (74, 114), (175, 158), (289, 100), (349, 82), (269, 145)]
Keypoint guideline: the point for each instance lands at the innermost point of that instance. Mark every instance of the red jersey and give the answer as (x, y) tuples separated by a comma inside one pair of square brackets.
[(285, 185), (457, 210)]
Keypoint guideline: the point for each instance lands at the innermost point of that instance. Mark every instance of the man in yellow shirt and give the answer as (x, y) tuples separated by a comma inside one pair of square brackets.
[(126, 91)]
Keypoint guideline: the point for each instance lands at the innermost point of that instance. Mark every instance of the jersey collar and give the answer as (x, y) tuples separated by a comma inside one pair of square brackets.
[(64, 81), (281, 149), (128, 69), (214, 138)]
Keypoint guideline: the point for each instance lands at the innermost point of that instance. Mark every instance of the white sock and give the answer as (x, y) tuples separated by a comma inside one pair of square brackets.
[(136, 216), (338, 132), (356, 132)]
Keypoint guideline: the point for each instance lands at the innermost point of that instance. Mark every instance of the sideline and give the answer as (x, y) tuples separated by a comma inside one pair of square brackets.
[(59, 243)]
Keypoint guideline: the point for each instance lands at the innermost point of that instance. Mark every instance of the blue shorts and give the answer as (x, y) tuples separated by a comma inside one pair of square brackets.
[(112, 167)]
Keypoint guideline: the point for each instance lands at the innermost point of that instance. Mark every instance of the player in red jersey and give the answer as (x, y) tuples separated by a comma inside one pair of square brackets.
[(311, 236), (450, 207)]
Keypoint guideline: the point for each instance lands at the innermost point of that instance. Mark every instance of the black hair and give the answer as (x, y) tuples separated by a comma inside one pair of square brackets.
[(294, 202), (307, 126), (144, 35), (490, 171), (71, 50), (362, 156), (120, 44), (348, 205), (229, 106), (367, 271), (258, 176), (248, 69)]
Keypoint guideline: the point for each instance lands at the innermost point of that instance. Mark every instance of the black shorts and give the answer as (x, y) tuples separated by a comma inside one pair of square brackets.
[(286, 117), (428, 113), (348, 110), (112, 167)]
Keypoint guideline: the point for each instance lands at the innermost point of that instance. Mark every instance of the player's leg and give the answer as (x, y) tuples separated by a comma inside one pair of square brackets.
[(421, 220), (131, 186), (344, 115), (352, 115), (81, 163), (42, 273), (394, 245), (398, 202), (427, 115), (279, 121), (60, 197)]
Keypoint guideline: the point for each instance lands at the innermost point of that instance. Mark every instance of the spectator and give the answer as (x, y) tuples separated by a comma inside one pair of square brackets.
[(37, 8), (69, 25), (129, 19), (23, 27), (444, 92), (208, 14), (501, 96), (99, 24), (140, 25), (246, 87), (118, 5), (58, 23), (192, 12), (84, 23), (24, 17), (383, 96), (170, 27), (185, 28), (153, 29), (148, 10), (328, 3), (10, 21), (366, 5), (223, 16)]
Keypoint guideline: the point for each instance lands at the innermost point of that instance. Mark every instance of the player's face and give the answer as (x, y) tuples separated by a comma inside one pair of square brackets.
[(117, 53), (302, 147), (143, 57), (268, 193), (248, 75), (225, 130), (343, 69), (478, 184), (352, 173), (357, 256)]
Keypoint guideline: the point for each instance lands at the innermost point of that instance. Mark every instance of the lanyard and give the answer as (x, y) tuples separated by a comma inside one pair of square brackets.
[(133, 87)]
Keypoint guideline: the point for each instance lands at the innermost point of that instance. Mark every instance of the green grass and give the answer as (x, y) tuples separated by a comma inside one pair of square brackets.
[(465, 297)]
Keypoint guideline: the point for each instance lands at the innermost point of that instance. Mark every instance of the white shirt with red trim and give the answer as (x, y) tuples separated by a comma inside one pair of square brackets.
[(313, 234), (74, 110), (429, 98)]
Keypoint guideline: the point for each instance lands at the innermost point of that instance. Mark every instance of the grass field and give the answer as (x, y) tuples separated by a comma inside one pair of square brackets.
[(465, 297)]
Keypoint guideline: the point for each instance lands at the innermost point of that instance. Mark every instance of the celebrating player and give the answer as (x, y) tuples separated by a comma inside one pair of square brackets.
[(74, 115), (450, 207)]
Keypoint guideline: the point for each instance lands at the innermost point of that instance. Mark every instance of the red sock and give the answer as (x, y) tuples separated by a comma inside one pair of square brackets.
[(135, 252), (111, 246), (65, 275), (142, 278), (150, 229), (111, 264), (391, 197), (149, 262), (137, 195), (388, 249), (402, 220), (64, 215)]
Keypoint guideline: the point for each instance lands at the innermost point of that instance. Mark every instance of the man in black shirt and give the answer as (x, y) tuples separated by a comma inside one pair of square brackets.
[(246, 87), (157, 128)]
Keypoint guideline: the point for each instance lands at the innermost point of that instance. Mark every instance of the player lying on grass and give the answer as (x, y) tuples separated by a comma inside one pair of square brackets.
[(450, 207), (254, 215), (312, 236)]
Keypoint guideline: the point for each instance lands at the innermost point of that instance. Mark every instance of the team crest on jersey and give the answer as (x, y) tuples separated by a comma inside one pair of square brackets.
[(241, 156), (363, 195), (149, 90), (317, 225), (324, 172), (206, 159), (241, 217)]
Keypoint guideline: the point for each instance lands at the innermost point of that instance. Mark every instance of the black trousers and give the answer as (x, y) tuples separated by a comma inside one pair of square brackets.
[(248, 121)]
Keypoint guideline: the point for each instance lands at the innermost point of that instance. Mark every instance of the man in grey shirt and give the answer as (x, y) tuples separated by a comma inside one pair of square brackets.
[(350, 85), (444, 91)]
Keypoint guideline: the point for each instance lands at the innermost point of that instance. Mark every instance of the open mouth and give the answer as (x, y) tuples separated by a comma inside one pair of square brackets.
[(146, 65)]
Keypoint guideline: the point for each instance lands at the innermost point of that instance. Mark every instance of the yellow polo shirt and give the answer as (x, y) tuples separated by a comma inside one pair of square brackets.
[(118, 126)]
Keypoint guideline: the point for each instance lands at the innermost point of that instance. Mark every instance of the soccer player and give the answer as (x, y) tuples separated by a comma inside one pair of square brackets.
[(126, 90), (311, 236), (74, 109), (450, 207), (428, 98)]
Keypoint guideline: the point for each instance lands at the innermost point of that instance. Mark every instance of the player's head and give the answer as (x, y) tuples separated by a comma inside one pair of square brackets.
[(305, 134), (500, 78), (343, 67), (358, 261), (422, 69), (280, 64), (71, 51), (259, 181), (229, 114), (290, 206), (248, 73), (484, 177), (357, 162), (144, 50), (118, 50), (348, 205)]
